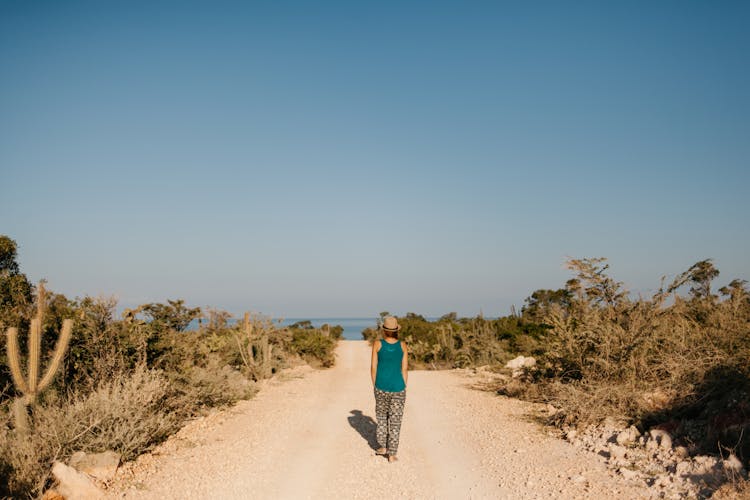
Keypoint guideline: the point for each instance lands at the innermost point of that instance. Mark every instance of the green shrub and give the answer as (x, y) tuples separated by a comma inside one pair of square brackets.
[(314, 346)]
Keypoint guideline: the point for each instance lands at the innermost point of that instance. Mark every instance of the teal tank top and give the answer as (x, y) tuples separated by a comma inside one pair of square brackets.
[(388, 377)]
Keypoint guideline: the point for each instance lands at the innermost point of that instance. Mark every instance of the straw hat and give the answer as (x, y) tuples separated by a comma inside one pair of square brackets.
[(390, 324)]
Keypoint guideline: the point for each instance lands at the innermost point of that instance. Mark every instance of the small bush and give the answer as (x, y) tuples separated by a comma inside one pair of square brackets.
[(314, 346)]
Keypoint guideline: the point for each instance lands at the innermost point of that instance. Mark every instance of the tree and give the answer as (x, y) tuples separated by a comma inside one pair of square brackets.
[(173, 315), (700, 274), (15, 288), (449, 318), (540, 301), (592, 282), (736, 290), (302, 325)]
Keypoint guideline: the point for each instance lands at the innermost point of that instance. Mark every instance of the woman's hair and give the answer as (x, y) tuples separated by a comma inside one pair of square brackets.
[(390, 333)]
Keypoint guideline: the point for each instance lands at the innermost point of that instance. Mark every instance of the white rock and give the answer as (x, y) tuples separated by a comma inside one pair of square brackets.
[(657, 433), (617, 452), (629, 473), (732, 463), (74, 485), (666, 442), (681, 452), (662, 438), (628, 436), (518, 364), (682, 468), (706, 465), (100, 466), (515, 363)]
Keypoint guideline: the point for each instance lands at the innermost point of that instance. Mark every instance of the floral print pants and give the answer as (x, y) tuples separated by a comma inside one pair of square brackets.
[(389, 409)]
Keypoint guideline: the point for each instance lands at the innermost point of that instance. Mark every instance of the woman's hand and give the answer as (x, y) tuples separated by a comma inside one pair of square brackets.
[(374, 361), (405, 364)]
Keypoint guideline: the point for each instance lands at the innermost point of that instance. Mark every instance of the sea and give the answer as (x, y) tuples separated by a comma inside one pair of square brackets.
[(352, 326)]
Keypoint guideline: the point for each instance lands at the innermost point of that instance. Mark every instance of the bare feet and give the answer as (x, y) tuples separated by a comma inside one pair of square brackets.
[(392, 458), (380, 451)]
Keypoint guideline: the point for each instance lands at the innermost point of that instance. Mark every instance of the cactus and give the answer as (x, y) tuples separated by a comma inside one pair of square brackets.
[(259, 350), (31, 386)]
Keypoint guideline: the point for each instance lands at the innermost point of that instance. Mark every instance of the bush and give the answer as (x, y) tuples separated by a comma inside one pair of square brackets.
[(128, 413), (667, 358), (314, 346), (453, 342)]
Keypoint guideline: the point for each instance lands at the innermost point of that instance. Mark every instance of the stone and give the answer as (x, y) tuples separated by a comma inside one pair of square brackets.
[(100, 466), (662, 438), (617, 452), (706, 465), (682, 468), (74, 485), (666, 442), (517, 365), (681, 452), (628, 436), (629, 473), (571, 434), (733, 464)]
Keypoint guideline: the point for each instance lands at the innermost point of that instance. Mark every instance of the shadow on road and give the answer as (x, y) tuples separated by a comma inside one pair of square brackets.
[(365, 426)]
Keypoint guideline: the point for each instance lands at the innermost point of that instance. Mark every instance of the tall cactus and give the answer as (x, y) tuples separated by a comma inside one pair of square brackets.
[(31, 386), (258, 358)]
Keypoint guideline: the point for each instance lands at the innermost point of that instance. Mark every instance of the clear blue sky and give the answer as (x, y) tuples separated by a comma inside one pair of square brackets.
[(341, 158)]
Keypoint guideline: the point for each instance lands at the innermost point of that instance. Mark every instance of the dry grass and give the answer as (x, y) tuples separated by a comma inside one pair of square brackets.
[(215, 384), (128, 414)]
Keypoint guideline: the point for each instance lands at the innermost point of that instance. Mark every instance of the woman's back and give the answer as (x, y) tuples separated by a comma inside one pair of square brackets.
[(389, 377)]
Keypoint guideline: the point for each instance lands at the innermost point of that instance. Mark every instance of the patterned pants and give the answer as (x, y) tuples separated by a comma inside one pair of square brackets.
[(389, 408)]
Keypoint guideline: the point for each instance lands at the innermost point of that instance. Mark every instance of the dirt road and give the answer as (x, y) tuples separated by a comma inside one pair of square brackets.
[(313, 437)]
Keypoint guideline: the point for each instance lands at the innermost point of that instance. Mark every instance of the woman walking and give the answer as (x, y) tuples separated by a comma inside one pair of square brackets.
[(389, 375)]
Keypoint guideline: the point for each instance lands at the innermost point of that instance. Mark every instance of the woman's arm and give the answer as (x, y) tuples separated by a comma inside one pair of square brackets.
[(374, 361), (405, 363)]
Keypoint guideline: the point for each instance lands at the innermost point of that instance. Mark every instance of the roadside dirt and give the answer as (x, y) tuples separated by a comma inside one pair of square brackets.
[(310, 434)]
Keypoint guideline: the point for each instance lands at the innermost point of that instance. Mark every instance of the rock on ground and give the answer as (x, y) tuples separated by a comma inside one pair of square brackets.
[(74, 485), (100, 466)]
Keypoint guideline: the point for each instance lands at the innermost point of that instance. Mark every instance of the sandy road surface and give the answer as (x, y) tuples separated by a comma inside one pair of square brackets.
[(313, 437)]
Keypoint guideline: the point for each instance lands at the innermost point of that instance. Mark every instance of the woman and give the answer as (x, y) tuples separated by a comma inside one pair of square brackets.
[(389, 375)]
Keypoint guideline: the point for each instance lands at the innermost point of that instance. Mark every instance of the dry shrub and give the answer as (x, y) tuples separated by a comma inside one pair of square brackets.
[(314, 346), (651, 360), (128, 414), (215, 384)]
